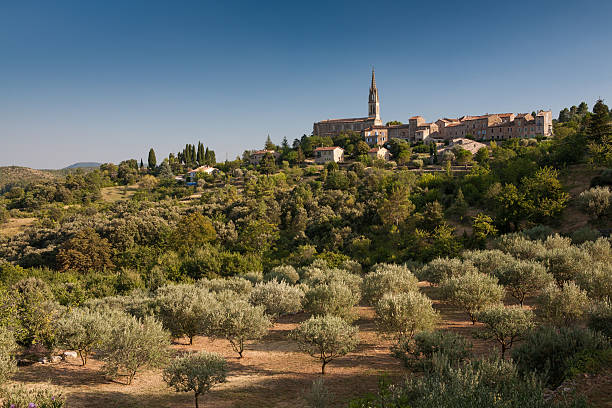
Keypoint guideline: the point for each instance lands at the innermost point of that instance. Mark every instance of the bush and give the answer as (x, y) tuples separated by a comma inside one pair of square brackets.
[(253, 277), (440, 269), (238, 321), (235, 284), (401, 315), (522, 278), (600, 317), (547, 351), (387, 279), (488, 260), (133, 344), (595, 201), (584, 234), (335, 299), (566, 264), (286, 273), (562, 306), (596, 280), (20, 397), (278, 298), (185, 310), (319, 395), (8, 348), (197, 372), (82, 330), (325, 338), (504, 324), (472, 292), (519, 246), (35, 312), (540, 232), (426, 344)]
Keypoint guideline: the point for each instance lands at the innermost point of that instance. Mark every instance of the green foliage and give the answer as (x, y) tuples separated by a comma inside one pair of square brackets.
[(85, 252), (193, 230), (335, 298), (196, 373), (152, 160), (504, 325), (19, 396), (427, 345), (472, 292), (278, 298), (319, 395), (489, 260), (387, 278), (523, 278), (133, 344), (326, 338), (596, 201), (562, 305), (286, 273), (82, 330), (401, 315), (35, 312), (8, 348), (548, 351), (600, 317), (441, 269)]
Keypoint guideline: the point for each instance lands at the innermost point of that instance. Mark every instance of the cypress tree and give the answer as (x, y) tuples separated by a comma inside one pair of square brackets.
[(599, 129), (200, 154), (152, 159)]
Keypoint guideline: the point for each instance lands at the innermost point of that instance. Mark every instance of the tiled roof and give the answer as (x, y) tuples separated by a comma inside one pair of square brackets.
[(416, 117), (327, 148), (347, 120), (263, 152)]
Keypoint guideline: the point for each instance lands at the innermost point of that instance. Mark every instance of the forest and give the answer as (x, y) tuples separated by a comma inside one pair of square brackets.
[(471, 280)]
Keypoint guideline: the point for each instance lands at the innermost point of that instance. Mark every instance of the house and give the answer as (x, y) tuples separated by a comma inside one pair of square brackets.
[(376, 135), (327, 154), (256, 156), (471, 146), (379, 153), (192, 174)]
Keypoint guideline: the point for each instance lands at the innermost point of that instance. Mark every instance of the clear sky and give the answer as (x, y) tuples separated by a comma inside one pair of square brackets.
[(106, 80)]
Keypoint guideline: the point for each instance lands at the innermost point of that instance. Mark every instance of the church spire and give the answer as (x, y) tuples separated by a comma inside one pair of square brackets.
[(373, 101)]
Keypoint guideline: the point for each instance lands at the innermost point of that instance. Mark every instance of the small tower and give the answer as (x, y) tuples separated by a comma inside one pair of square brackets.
[(374, 102)]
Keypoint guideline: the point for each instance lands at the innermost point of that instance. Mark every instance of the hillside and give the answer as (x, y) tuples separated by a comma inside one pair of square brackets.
[(81, 165), (24, 175)]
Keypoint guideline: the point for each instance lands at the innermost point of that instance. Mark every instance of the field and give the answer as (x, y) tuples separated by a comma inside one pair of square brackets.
[(273, 372)]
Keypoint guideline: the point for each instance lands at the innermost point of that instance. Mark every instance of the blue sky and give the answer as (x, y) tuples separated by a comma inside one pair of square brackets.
[(106, 80)]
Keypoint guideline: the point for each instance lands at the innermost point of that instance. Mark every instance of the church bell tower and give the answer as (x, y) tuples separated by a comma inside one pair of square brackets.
[(374, 102)]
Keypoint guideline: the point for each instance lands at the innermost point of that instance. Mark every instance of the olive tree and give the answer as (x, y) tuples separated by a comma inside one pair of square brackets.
[(238, 321), (133, 344), (35, 312), (401, 315), (8, 347), (488, 260), (387, 278), (82, 330), (472, 292), (335, 299), (440, 269), (562, 305), (326, 338), (596, 201), (185, 310), (504, 324), (285, 273), (522, 278), (196, 373), (278, 298)]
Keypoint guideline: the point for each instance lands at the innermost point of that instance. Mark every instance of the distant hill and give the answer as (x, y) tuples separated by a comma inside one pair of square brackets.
[(15, 175), (81, 165)]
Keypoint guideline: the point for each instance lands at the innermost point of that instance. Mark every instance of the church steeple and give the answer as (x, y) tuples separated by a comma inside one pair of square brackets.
[(373, 101)]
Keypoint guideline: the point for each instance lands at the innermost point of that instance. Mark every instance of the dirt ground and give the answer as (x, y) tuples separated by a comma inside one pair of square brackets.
[(15, 225), (273, 373)]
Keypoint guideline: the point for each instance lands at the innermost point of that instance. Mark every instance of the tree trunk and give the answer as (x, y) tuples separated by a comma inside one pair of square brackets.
[(191, 343), (196, 400), (323, 367)]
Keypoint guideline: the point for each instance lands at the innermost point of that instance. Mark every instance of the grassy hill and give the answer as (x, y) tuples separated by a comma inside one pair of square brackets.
[(22, 175)]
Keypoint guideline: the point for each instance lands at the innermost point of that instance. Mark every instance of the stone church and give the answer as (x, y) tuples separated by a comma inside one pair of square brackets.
[(334, 127)]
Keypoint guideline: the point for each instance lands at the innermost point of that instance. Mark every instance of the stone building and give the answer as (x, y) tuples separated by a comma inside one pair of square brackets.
[(256, 156), (327, 154), (376, 135), (380, 153)]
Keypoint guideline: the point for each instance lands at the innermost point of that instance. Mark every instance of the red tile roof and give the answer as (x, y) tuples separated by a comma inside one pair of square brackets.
[(327, 148)]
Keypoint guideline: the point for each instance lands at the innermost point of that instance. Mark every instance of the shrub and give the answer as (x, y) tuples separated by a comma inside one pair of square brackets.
[(426, 344), (519, 246), (325, 338), (596, 280), (595, 201), (197, 372), (317, 276), (319, 395), (133, 344), (600, 317), (600, 250), (335, 299), (401, 315), (82, 330), (238, 321), (504, 324), (286, 273), (540, 232), (440, 269), (35, 312), (185, 310), (522, 278), (235, 284), (584, 234), (8, 347), (387, 278), (278, 298), (566, 264), (472, 292), (547, 350), (488, 260), (562, 306), (19, 396), (253, 277)]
